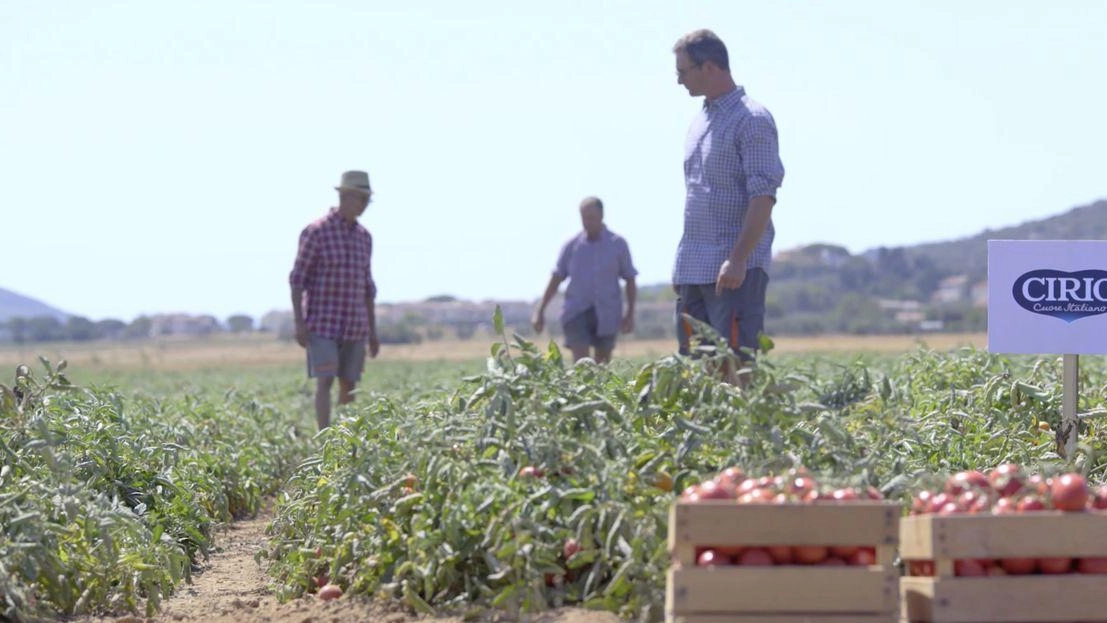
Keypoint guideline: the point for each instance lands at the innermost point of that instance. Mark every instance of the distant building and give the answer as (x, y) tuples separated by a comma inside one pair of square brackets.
[(908, 312), (279, 323), (951, 289), (182, 324), (978, 294)]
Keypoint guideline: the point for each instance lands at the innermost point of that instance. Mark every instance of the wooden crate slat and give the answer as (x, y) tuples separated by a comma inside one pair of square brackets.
[(781, 590), (784, 618), (722, 522), (1046, 533), (1024, 599)]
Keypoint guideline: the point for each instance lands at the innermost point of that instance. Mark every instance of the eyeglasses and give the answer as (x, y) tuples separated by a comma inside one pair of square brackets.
[(683, 70)]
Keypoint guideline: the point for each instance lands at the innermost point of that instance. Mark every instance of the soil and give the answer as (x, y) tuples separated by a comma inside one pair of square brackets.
[(231, 587)]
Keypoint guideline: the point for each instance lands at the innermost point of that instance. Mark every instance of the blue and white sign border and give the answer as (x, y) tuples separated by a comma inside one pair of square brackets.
[(1047, 296)]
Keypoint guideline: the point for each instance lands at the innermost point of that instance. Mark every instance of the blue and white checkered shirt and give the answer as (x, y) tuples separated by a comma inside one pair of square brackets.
[(731, 156)]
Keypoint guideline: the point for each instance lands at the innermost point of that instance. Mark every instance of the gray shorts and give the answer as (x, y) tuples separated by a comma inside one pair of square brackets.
[(580, 331), (738, 316), (329, 358)]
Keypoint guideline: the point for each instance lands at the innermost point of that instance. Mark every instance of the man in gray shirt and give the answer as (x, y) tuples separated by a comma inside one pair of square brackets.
[(594, 260)]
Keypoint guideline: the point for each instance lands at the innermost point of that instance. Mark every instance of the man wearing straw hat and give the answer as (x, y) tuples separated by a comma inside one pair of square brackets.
[(333, 294)]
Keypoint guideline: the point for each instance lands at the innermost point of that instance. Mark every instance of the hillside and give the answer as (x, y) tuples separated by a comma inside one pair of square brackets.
[(13, 305), (933, 286), (818, 288)]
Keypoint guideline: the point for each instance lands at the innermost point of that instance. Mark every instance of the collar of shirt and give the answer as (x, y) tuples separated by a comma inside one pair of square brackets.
[(334, 217), (726, 100), (603, 235)]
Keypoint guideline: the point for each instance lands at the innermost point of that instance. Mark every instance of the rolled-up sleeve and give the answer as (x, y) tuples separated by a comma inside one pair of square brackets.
[(561, 269), (371, 286), (302, 269), (626, 266), (760, 153)]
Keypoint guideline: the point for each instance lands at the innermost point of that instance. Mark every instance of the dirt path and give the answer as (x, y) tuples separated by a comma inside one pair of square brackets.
[(232, 588)]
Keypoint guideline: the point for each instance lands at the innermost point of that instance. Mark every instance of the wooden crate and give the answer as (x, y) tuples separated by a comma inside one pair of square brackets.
[(782, 594), (946, 598)]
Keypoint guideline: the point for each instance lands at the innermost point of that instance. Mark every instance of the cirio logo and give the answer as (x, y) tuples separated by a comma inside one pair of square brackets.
[(1069, 296)]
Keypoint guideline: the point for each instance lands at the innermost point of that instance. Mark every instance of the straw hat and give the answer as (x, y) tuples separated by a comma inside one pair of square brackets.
[(357, 181)]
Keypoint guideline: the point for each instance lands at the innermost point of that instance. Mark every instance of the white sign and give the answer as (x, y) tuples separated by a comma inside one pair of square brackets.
[(1047, 296)]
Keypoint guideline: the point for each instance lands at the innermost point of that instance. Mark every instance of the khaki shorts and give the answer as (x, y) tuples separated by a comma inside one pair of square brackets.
[(580, 330), (329, 358)]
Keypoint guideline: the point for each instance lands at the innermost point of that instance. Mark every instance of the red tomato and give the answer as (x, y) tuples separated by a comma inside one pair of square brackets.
[(329, 592), (950, 508), (1099, 498), (1099, 501), (757, 496), (1030, 503), (924, 568), (872, 493), (1007, 479), (833, 561), (710, 558), (1038, 484), (809, 554), (781, 554), (844, 551), (711, 490), (1004, 506), (1092, 565), (571, 547), (1018, 566), (730, 478), (921, 505), (730, 551), (755, 557), (530, 471), (969, 567), (1054, 566), (746, 486), (863, 557), (965, 481), (1069, 492), (802, 485), (971, 501)]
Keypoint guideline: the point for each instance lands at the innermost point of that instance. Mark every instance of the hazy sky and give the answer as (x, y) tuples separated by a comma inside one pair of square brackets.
[(160, 156)]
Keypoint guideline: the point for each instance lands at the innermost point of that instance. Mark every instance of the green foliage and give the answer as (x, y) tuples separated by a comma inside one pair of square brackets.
[(474, 529), (107, 502)]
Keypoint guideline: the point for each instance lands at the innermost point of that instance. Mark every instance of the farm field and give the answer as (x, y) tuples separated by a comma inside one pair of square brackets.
[(264, 350), (452, 485)]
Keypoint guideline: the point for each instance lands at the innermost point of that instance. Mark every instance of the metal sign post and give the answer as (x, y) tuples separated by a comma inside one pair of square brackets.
[(1070, 399)]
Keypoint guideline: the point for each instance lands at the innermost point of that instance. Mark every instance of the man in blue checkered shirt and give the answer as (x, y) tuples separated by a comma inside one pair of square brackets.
[(731, 172)]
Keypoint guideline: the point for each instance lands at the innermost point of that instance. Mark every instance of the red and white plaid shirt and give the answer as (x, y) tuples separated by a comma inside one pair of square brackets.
[(333, 269)]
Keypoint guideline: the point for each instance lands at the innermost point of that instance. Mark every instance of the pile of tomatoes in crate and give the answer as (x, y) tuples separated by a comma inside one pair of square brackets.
[(795, 487), (1010, 490)]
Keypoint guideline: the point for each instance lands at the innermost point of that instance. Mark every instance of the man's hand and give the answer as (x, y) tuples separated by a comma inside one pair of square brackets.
[(374, 345), (301, 333), (538, 320), (628, 323), (731, 276)]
